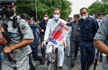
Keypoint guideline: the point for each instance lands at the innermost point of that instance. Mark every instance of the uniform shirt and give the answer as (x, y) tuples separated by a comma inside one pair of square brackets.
[(50, 27), (42, 24), (88, 29), (22, 32), (102, 33)]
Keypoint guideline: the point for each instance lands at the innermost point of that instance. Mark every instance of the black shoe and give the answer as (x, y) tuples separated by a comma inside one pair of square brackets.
[(48, 62), (87, 68), (68, 56), (100, 59), (42, 62), (72, 63), (60, 68)]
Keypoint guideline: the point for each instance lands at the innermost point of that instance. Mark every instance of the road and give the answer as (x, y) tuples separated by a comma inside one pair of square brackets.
[(66, 65)]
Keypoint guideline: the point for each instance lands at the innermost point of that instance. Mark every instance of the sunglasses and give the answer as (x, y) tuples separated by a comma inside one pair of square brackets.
[(83, 13)]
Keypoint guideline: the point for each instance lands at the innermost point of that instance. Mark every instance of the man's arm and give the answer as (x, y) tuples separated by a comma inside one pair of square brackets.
[(2, 39), (101, 46), (69, 23), (27, 37), (23, 43), (38, 33), (39, 26)]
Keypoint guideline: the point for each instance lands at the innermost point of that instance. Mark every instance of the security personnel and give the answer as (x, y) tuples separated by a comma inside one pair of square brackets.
[(88, 28), (21, 36), (35, 44), (100, 37), (75, 38)]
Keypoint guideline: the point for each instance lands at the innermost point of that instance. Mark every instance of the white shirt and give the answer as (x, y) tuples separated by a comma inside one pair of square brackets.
[(50, 27)]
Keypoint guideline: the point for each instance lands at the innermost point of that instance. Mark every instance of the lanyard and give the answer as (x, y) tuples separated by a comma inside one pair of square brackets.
[(85, 23)]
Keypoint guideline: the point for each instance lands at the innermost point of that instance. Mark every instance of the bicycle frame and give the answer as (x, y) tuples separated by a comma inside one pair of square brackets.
[(54, 64)]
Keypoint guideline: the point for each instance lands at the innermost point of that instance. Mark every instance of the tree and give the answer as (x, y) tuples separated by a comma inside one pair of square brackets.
[(98, 7), (29, 7), (104, 1)]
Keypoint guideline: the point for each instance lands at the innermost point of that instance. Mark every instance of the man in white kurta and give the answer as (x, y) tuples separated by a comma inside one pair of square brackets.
[(52, 23)]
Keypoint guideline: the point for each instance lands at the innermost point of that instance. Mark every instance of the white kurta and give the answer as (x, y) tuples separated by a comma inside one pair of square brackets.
[(49, 29)]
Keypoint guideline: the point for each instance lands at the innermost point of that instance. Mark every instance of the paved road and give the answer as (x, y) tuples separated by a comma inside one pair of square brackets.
[(66, 65)]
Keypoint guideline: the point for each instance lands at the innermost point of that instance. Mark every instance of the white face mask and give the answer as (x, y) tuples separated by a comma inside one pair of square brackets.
[(56, 17), (99, 21), (84, 17), (45, 18)]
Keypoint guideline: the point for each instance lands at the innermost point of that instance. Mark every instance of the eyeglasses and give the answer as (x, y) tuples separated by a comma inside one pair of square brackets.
[(83, 13)]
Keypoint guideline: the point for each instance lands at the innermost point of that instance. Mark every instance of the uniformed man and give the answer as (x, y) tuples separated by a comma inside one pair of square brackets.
[(35, 44), (100, 37), (88, 28), (21, 36)]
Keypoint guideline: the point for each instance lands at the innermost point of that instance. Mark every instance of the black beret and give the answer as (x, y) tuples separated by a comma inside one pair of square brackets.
[(8, 2), (27, 17)]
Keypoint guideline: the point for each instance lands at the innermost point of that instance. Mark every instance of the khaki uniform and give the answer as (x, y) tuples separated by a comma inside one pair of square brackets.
[(102, 35), (23, 31)]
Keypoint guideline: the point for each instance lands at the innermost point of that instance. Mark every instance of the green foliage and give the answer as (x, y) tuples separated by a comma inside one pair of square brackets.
[(98, 7), (105, 0), (29, 7)]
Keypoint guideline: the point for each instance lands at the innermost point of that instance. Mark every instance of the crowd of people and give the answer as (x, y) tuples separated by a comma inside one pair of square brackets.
[(22, 35)]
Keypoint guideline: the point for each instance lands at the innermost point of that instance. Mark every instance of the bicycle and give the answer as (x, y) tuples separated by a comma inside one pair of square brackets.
[(54, 64)]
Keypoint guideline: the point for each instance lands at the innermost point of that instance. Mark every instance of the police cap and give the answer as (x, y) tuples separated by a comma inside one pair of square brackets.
[(8, 2)]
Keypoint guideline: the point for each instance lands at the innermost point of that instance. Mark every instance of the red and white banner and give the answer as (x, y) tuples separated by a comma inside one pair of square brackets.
[(59, 33)]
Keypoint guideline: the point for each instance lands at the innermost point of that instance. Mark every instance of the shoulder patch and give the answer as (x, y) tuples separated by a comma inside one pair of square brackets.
[(23, 27)]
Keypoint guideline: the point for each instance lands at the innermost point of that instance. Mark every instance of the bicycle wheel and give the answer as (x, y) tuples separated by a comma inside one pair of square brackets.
[(51, 66)]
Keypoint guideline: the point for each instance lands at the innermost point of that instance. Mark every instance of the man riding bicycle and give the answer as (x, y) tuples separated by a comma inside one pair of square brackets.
[(52, 23)]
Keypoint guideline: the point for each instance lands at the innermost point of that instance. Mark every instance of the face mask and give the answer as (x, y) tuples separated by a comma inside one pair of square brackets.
[(8, 12), (56, 17), (31, 22), (99, 21), (45, 18), (84, 17)]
